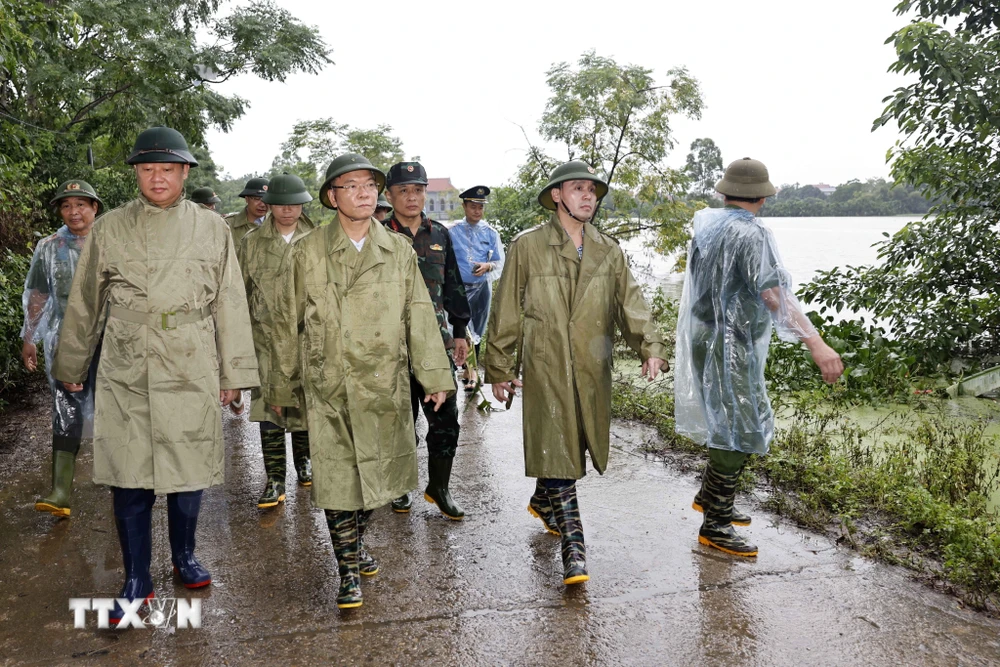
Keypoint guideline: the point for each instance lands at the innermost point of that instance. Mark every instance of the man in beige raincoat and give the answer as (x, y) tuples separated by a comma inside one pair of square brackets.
[(260, 253), (355, 292), (177, 342), (573, 286)]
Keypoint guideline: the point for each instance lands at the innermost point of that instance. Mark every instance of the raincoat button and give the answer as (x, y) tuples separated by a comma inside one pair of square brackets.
[(347, 334), (425, 364)]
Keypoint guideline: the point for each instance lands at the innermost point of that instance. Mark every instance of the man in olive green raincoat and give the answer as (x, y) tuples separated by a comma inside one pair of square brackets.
[(355, 292), (177, 342), (260, 253), (573, 286), (252, 215)]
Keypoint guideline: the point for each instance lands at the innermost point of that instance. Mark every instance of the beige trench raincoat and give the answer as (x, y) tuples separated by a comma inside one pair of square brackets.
[(260, 253), (564, 342), (178, 332), (365, 318)]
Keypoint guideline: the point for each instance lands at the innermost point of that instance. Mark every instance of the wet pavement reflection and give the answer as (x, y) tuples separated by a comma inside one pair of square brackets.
[(484, 591)]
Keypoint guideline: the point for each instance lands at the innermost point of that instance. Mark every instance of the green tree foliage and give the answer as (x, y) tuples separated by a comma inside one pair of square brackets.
[(936, 280), (854, 198), (94, 73), (704, 167), (617, 119)]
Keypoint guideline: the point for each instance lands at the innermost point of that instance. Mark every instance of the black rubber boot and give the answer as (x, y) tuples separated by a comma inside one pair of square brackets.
[(738, 518), (367, 565), (63, 469), (402, 504), (439, 476), (344, 535), (718, 494), (182, 519), (567, 516), (539, 507), (133, 518)]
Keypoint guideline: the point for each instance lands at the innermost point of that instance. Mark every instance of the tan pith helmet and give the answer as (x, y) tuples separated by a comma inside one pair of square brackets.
[(746, 178)]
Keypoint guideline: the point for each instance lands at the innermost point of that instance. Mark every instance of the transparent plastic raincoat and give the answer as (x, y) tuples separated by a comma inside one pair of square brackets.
[(46, 291), (734, 288)]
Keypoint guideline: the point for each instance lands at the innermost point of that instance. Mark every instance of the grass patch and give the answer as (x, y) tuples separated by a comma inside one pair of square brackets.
[(912, 490)]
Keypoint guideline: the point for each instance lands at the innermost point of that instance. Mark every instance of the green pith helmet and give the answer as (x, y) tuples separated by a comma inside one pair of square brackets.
[(383, 202), (161, 144), (286, 190), (76, 188), (205, 196), (746, 178), (344, 164), (576, 170), (255, 187)]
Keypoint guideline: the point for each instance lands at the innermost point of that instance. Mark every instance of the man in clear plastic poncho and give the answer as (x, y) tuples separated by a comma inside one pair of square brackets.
[(45, 292), (734, 288)]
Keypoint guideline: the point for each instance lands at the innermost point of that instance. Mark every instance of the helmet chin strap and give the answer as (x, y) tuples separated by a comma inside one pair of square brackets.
[(570, 213)]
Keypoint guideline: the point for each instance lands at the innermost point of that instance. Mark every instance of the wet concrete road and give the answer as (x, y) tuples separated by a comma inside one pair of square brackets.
[(484, 591)]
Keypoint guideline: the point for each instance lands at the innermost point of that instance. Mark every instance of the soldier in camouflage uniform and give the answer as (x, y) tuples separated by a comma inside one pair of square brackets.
[(406, 186), (260, 253)]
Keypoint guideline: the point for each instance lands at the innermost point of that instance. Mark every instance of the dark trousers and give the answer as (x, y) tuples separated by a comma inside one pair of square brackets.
[(442, 426)]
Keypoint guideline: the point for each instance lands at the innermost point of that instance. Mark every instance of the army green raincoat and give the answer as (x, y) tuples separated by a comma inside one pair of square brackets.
[(260, 253), (564, 342), (366, 318), (240, 224), (178, 331)]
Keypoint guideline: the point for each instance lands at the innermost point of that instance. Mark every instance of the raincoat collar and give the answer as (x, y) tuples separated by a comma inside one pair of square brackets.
[(595, 250), (150, 207), (268, 229), (371, 254)]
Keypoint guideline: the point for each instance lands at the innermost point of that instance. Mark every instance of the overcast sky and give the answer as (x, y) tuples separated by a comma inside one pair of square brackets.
[(795, 84)]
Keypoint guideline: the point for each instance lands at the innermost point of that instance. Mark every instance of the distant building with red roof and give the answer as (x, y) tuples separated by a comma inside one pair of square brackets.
[(442, 200)]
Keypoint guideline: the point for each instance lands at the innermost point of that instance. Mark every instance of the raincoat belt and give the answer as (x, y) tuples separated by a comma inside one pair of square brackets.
[(164, 321)]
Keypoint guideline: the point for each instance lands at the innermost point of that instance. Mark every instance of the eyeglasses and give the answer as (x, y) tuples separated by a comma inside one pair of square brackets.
[(355, 188)]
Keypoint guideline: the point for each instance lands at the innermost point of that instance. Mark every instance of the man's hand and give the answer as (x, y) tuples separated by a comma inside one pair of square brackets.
[(277, 409), (481, 268), (504, 390), (438, 398), (226, 396), (29, 355), (461, 351), (652, 367), (826, 358), (72, 388)]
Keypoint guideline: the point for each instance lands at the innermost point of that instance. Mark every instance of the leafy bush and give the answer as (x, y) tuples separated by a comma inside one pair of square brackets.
[(13, 269)]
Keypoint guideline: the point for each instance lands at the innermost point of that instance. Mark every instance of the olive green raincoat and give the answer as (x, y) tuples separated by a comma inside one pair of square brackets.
[(178, 331), (260, 253), (570, 307), (240, 224), (366, 317)]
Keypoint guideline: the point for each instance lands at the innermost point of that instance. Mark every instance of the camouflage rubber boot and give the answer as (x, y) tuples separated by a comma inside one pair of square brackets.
[(540, 508), (367, 564), (300, 456), (272, 443), (718, 494), (402, 504), (738, 518), (63, 469), (439, 476), (567, 516), (344, 535)]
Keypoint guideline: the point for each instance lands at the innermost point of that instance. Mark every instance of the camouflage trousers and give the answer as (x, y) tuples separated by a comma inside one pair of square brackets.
[(442, 426), (272, 442)]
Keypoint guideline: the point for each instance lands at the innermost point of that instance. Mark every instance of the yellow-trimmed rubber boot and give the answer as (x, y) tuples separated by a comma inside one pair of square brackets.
[(540, 508), (566, 511), (367, 565), (344, 535), (718, 494), (63, 469)]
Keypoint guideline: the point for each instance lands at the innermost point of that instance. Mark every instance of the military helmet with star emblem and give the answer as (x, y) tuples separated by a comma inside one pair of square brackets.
[(345, 164), (76, 188), (575, 170)]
